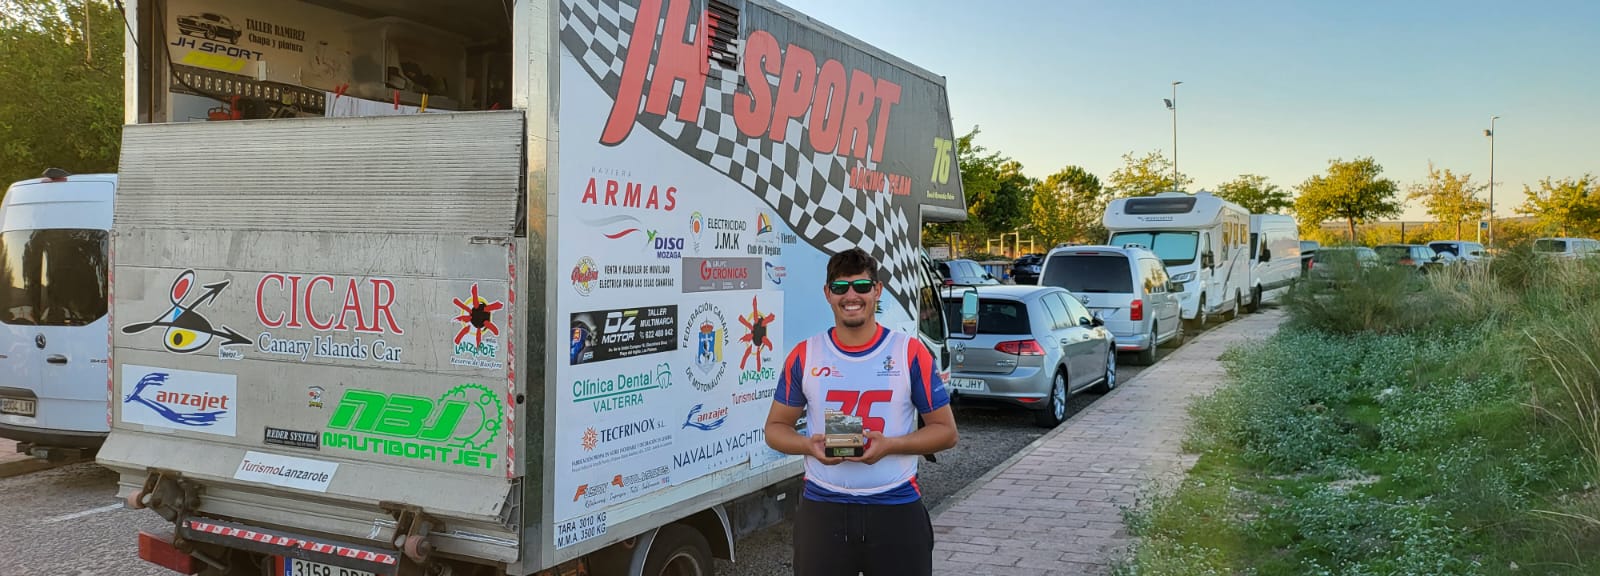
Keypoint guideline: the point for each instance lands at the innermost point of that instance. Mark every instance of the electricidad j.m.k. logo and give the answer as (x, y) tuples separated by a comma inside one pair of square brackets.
[(459, 428), (187, 330)]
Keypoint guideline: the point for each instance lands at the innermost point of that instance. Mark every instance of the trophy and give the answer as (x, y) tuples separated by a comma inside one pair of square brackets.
[(844, 438)]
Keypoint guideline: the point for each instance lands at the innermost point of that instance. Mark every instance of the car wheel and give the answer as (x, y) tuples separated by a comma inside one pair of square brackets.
[(1200, 316), (1177, 339), (1109, 381), (1147, 356), (1233, 311), (1055, 409), (1255, 300)]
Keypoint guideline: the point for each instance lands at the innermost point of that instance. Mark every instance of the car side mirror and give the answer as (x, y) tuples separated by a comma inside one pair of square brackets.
[(1095, 321), (969, 315), (1266, 255), (1208, 259), (1174, 286)]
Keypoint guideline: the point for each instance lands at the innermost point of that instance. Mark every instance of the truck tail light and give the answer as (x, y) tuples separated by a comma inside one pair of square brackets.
[(1021, 348), (158, 549), (1136, 310)]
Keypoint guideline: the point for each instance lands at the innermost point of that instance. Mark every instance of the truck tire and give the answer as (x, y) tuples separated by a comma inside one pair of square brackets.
[(679, 550), (1255, 300)]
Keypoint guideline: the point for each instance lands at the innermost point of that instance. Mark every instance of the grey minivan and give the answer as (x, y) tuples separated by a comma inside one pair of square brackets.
[(1035, 347), (1127, 287)]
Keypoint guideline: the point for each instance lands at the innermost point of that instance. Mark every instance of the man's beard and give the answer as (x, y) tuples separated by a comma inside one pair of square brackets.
[(854, 323)]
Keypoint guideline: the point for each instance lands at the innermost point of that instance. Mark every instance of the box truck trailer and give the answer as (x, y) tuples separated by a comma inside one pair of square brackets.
[(486, 287)]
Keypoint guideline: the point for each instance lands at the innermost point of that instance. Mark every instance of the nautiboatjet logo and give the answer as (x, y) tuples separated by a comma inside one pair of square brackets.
[(186, 329)]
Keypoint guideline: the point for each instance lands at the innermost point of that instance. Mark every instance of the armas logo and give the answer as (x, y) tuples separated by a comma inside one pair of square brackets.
[(188, 331), (756, 325), (458, 428), (197, 410)]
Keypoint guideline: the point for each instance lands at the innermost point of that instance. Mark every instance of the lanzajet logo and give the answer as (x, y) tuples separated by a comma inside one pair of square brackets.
[(197, 409), (187, 330), (705, 420)]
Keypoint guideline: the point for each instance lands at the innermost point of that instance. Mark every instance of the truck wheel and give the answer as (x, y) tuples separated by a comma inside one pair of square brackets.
[(1255, 300), (679, 550)]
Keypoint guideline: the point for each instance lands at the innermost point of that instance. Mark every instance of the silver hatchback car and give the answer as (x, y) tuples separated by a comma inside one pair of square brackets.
[(1127, 287), (1036, 345)]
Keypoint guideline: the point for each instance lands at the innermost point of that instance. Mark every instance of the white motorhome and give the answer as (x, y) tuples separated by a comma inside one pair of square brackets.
[(1274, 257), (493, 286), (1202, 239), (54, 232)]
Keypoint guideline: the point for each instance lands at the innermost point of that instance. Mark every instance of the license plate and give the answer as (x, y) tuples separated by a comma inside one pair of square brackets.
[(16, 406), (967, 384), (298, 567)]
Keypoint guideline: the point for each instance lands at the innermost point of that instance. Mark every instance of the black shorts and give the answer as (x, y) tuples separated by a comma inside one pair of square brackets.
[(873, 539)]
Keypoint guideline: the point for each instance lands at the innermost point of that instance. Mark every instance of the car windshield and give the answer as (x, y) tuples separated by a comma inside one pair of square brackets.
[(1089, 273), (1393, 252), (995, 316), (52, 277), (1174, 248), (1443, 247), (1547, 245)]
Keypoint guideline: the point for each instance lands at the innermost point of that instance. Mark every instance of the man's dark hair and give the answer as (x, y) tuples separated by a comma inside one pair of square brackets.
[(851, 262)]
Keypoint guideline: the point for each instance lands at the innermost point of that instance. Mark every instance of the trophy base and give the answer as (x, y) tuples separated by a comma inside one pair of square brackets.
[(844, 446), (845, 451)]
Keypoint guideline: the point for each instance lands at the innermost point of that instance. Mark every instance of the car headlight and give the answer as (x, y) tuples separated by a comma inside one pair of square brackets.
[(1184, 277)]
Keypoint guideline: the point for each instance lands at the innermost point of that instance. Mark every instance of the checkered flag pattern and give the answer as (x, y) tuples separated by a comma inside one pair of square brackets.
[(807, 189)]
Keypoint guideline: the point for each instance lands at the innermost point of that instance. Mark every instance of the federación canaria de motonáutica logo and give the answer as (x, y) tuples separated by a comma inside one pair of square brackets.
[(707, 330)]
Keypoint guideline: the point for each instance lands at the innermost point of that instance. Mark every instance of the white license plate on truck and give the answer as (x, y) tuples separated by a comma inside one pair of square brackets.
[(973, 384), (298, 567), (16, 406)]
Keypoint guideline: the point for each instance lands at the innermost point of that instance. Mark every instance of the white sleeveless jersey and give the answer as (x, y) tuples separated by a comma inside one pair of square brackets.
[(875, 385)]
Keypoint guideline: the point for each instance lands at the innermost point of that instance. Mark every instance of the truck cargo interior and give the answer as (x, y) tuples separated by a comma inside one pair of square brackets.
[(225, 60)]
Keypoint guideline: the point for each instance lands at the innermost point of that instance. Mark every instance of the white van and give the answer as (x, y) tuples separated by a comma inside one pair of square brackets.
[(1571, 248), (1202, 239), (54, 334), (1274, 257)]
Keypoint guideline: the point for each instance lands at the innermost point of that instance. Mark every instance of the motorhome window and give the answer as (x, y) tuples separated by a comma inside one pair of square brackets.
[(1159, 205), (52, 277), (1089, 274), (1174, 248)]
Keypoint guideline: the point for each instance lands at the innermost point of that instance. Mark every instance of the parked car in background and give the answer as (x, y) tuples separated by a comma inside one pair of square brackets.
[(1417, 256), (1567, 247), (1026, 269), (54, 235), (1463, 252), (1036, 346), (1127, 287), (965, 273), (1274, 256), (1333, 265), (1308, 248)]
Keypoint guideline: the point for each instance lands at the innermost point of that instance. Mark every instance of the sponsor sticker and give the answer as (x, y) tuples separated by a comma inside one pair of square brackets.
[(185, 329), (286, 471), (184, 400), (707, 332), (608, 393), (477, 342), (623, 333), (292, 438), (717, 274), (458, 428)]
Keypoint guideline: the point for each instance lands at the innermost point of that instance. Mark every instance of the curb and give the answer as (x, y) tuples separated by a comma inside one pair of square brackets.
[(28, 466)]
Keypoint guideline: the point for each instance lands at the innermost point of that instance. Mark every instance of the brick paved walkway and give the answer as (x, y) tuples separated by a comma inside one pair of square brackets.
[(1057, 510)]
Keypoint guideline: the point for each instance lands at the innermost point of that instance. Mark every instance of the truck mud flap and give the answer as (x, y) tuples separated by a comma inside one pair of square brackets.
[(277, 543)]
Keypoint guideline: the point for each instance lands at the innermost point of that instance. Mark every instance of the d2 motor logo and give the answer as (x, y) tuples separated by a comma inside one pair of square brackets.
[(188, 331), (458, 428)]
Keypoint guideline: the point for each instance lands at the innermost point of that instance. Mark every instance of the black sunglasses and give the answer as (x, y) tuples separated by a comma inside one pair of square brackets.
[(838, 287)]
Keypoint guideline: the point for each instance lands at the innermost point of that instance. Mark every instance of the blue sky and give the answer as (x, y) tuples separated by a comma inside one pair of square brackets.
[(1272, 88)]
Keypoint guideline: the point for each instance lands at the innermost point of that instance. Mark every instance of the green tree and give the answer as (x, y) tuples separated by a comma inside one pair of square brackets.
[(1569, 206), (60, 87), (1352, 191), (998, 194), (1145, 176), (1068, 205), (1255, 194), (1451, 199)]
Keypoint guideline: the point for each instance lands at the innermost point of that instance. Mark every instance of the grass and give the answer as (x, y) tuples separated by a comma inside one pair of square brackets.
[(1439, 425)]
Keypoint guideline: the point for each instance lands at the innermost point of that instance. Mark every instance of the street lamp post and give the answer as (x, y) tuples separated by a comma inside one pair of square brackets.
[(1173, 106), (1490, 134)]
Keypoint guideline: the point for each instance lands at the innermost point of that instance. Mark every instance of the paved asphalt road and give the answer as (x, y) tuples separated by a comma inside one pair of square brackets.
[(67, 521)]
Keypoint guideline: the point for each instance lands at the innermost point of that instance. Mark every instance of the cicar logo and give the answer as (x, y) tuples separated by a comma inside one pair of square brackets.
[(584, 276)]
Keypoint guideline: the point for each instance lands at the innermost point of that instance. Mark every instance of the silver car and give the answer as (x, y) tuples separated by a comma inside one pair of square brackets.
[(1127, 287), (1035, 346)]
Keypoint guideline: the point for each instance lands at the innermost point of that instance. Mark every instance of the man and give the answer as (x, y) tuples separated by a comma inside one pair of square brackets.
[(863, 514)]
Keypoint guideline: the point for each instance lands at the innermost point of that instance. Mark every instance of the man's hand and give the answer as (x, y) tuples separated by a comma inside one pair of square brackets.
[(878, 446), (819, 450)]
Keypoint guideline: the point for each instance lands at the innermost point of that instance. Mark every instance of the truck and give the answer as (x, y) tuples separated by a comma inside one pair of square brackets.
[(1202, 239), (1276, 261), (484, 287)]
